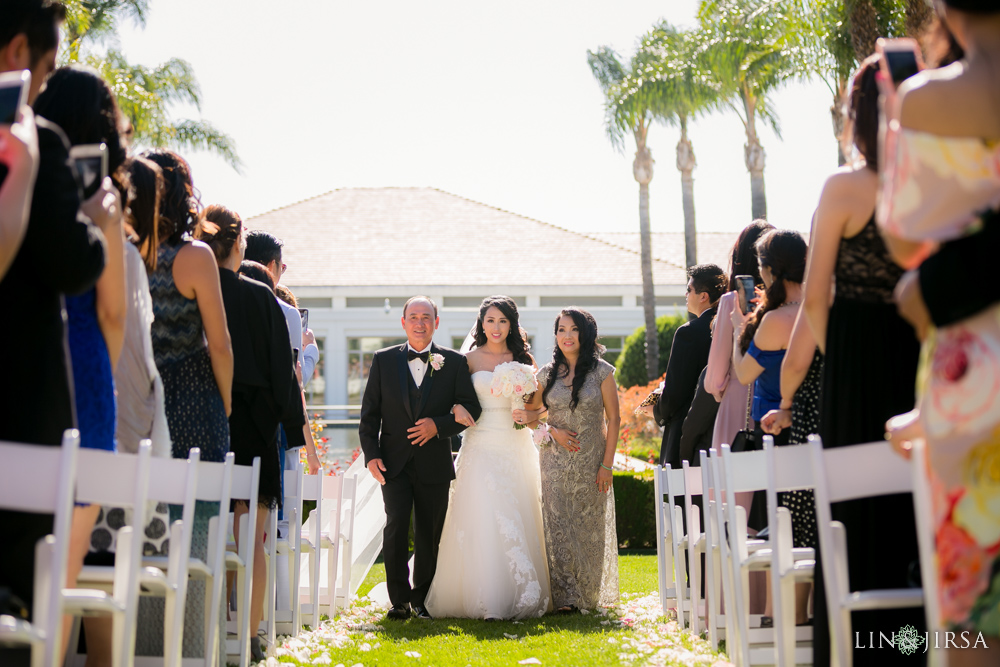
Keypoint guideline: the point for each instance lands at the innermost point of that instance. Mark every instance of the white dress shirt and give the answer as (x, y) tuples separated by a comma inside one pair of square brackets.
[(417, 367)]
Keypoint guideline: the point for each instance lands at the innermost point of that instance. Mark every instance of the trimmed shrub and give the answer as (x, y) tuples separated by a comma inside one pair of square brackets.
[(635, 510), (631, 364)]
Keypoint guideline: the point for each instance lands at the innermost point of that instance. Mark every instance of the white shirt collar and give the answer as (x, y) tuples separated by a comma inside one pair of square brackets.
[(426, 349)]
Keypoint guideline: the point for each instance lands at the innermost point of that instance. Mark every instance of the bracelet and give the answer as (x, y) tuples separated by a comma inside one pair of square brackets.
[(607, 468)]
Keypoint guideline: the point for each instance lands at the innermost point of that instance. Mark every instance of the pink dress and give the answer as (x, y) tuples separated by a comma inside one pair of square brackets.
[(932, 188), (721, 382)]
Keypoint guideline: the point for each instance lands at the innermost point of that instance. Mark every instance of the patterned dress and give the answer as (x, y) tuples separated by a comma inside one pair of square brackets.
[(196, 417), (581, 539), (805, 422), (936, 189)]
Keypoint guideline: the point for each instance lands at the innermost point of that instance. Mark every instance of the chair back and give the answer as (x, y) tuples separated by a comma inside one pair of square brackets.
[(27, 484)]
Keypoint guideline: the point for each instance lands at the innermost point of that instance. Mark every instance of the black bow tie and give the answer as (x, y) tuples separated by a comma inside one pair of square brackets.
[(422, 356)]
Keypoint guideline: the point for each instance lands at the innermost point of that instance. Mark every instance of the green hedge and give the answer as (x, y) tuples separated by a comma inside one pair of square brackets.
[(631, 364), (635, 510)]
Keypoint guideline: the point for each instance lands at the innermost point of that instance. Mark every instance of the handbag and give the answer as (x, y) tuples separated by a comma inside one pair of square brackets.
[(746, 439)]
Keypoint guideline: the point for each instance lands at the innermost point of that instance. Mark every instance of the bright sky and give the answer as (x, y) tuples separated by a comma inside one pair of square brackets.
[(490, 101)]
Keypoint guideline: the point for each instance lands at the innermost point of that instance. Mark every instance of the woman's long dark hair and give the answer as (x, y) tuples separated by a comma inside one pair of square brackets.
[(590, 354), (862, 108), (783, 252), (743, 259), (79, 101), (515, 343), (179, 205), (146, 179)]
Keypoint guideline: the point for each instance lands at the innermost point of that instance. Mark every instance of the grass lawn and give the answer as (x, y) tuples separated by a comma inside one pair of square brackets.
[(633, 633)]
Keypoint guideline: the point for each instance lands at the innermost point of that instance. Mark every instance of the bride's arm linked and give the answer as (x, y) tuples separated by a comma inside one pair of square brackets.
[(609, 392)]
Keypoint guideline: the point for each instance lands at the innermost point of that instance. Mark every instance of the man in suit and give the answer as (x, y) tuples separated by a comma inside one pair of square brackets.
[(688, 356), (406, 427)]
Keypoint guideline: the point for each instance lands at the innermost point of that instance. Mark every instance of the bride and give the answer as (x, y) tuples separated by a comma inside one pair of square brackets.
[(491, 560)]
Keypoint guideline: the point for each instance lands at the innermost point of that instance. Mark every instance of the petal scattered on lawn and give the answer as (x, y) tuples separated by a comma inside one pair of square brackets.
[(509, 636), (412, 654), (529, 661), (323, 659)]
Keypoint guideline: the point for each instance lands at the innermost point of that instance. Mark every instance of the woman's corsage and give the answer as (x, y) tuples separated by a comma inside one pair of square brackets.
[(542, 435)]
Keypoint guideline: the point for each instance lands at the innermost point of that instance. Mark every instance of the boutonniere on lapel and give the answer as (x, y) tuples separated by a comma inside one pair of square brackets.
[(437, 361)]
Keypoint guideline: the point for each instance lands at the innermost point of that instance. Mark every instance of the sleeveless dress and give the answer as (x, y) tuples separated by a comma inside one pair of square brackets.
[(868, 375), (491, 559), (936, 188), (196, 417), (805, 422), (581, 538), (93, 383)]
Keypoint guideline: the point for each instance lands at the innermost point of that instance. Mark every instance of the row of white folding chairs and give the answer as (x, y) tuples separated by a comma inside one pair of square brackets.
[(124, 480), (327, 531), (836, 475)]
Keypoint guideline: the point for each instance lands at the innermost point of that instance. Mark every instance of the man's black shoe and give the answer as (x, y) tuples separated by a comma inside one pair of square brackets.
[(420, 611), (398, 613)]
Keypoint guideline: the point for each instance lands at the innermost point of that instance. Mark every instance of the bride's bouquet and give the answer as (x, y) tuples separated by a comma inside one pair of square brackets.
[(515, 381)]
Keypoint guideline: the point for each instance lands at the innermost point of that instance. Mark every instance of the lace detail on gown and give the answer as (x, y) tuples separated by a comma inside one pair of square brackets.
[(580, 534), (491, 559), (864, 270)]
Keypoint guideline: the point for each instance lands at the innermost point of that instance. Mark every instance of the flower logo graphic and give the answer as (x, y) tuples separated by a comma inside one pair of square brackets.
[(908, 640)]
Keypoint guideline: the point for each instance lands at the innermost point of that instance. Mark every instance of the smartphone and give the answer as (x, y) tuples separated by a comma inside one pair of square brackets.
[(745, 292), (900, 59), (295, 355), (91, 163), (304, 314), (13, 94)]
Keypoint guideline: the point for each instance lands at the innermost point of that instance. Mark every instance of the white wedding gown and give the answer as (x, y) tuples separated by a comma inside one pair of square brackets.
[(491, 559)]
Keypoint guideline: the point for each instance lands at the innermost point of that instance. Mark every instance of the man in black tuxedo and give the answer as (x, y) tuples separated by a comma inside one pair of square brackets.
[(688, 356), (406, 428)]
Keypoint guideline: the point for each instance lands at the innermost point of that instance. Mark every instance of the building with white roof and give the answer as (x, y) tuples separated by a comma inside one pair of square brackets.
[(355, 255)]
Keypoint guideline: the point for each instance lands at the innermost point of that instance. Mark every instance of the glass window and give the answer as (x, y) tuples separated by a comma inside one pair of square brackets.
[(614, 345), (315, 386), (360, 352)]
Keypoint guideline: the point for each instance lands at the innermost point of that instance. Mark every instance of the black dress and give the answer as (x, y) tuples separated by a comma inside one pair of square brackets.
[(264, 383), (868, 377)]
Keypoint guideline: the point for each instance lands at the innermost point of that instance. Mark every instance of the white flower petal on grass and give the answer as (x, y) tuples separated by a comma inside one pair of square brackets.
[(365, 647), (584, 612), (529, 661), (412, 654), (324, 659), (612, 640)]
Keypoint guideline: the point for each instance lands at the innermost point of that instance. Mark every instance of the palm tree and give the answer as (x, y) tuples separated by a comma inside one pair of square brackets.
[(632, 116), (143, 93), (668, 81), (750, 46)]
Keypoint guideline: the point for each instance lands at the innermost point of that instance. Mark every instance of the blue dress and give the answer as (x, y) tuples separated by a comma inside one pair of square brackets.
[(93, 381), (767, 388)]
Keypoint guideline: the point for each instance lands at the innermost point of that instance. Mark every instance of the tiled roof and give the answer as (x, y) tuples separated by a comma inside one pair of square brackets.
[(424, 236)]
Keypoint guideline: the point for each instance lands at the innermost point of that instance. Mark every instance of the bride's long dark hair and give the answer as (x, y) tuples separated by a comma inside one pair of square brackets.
[(590, 354), (516, 343)]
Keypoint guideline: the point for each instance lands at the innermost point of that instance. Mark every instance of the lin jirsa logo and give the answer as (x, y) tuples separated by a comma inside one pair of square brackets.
[(909, 640)]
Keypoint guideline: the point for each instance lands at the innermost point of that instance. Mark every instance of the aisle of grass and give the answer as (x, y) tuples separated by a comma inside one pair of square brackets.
[(633, 633)]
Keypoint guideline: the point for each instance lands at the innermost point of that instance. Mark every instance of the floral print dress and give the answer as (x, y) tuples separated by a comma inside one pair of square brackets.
[(934, 189)]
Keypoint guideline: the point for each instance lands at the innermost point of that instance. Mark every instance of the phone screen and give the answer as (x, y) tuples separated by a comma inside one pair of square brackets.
[(902, 65), (10, 96), (745, 292), (304, 314), (89, 168)]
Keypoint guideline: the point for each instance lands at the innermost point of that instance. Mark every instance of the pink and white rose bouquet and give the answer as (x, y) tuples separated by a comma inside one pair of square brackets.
[(516, 381)]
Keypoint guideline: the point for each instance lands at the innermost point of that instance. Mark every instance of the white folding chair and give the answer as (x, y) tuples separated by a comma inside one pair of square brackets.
[(694, 542), (27, 484), (849, 473), (745, 472), (113, 480), (926, 529), (325, 530), (713, 555), (240, 557), (788, 469), (669, 534), (288, 548), (211, 483)]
